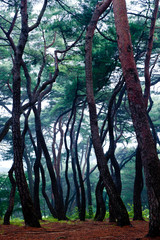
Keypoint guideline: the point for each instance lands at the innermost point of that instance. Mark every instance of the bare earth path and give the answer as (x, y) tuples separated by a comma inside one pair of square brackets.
[(76, 230)]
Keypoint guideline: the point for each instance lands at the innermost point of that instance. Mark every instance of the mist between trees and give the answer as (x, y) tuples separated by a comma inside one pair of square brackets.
[(80, 110)]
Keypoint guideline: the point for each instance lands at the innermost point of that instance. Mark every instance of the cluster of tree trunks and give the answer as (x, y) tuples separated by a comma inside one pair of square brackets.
[(146, 154)]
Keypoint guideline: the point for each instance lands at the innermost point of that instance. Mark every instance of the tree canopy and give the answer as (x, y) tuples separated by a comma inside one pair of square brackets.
[(79, 104)]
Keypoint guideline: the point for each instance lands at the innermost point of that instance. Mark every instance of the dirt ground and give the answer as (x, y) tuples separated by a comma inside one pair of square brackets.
[(76, 230)]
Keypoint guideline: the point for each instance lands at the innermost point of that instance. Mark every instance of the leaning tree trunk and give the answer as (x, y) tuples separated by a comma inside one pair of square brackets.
[(119, 208), (139, 116)]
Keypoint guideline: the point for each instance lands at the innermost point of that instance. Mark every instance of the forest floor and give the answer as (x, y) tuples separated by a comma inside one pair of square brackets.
[(76, 230)]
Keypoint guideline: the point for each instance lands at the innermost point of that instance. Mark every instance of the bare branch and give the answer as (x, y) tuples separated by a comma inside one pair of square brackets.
[(39, 17)]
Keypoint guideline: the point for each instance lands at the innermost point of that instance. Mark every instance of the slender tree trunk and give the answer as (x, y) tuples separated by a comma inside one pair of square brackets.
[(83, 198), (139, 116), (59, 206), (29, 171), (52, 211), (68, 154), (119, 208), (37, 162), (89, 195), (11, 198), (138, 187)]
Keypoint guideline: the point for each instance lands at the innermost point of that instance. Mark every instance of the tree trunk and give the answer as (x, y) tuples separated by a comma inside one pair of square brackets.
[(89, 195), (37, 162), (26, 201), (52, 211), (59, 206), (139, 177), (139, 116), (101, 207), (83, 198), (11, 198), (119, 208), (138, 187), (29, 171)]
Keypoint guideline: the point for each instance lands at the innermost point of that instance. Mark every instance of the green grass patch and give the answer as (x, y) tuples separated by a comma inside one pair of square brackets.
[(17, 222)]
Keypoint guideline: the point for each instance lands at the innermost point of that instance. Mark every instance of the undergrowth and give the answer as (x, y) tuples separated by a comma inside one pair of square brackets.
[(75, 216)]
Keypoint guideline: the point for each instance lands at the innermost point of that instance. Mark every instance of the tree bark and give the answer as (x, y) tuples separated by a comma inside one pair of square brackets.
[(83, 198), (52, 211), (11, 198), (59, 205), (27, 205), (139, 116), (89, 195), (138, 187), (119, 208), (37, 161), (100, 203)]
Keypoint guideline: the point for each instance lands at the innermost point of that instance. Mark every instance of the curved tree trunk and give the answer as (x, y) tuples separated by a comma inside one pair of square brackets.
[(139, 116), (67, 154), (52, 211), (119, 208), (27, 205), (59, 206)]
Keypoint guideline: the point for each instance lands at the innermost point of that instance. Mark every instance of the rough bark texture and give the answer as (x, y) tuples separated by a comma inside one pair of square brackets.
[(120, 210), (139, 116), (138, 185)]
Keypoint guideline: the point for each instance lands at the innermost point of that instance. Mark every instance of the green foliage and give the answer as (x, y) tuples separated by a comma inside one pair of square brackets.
[(74, 215), (145, 212), (130, 208)]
